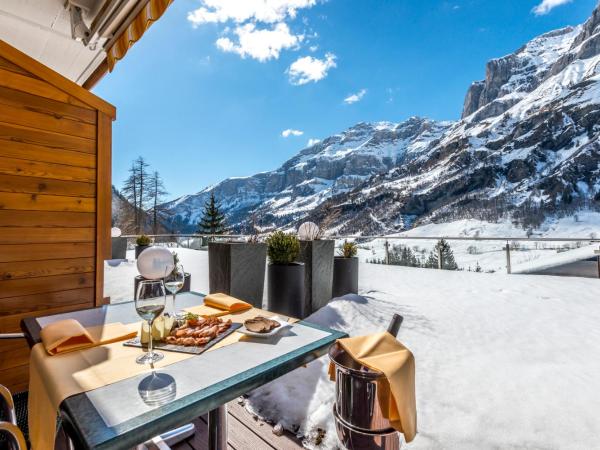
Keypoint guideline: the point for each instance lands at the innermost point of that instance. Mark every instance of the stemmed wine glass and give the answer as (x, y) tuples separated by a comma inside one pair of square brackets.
[(149, 304), (174, 280)]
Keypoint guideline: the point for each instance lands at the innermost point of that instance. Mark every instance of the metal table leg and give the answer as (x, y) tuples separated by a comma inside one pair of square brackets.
[(217, 428)]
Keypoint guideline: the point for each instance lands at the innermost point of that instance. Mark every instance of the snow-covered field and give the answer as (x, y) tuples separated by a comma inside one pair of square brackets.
[(490, 255), (503, 361)]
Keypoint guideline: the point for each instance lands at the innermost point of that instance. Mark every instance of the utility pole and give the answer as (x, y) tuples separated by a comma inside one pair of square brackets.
[(507, 248)]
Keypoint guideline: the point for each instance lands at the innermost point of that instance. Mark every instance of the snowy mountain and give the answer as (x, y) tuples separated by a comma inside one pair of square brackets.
[(526, 147), (335, 166)]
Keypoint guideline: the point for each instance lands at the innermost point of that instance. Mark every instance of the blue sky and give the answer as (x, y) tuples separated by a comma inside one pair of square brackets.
[(211, 88)]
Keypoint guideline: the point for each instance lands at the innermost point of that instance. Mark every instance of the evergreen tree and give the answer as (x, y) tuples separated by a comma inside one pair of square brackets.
[(408, 258), (401, 255), (432, 260), (448, 262), (212, 221)]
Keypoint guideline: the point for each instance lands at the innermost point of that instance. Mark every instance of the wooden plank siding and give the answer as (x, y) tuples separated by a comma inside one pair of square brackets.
[(55, 199), (54, 141)]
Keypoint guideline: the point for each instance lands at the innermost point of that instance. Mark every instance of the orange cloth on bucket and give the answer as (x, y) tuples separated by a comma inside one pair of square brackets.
[(383, 352)]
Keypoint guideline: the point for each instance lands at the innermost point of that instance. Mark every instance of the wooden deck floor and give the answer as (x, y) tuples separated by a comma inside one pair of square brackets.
[(244, 433)]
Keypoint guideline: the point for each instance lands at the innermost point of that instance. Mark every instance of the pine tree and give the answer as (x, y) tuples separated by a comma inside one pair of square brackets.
[(408, 258), (432, 260), (448, 262), (213, 221), (401, 255)]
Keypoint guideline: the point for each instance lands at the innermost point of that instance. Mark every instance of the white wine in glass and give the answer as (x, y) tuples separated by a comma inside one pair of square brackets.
[(149, 304), (174, 281)]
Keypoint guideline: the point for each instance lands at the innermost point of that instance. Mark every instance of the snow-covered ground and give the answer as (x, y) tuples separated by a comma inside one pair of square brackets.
[(490, 255), (502, 361)]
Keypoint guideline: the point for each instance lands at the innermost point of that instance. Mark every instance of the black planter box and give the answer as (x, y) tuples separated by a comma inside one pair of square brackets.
[(345, 276), (286, 289), (237, 269), (139, 249), (187, 284), (317, 257), (119, 248)]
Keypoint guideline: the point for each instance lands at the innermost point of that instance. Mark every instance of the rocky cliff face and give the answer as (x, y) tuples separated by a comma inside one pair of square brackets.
[(527, 145), (509, 78)]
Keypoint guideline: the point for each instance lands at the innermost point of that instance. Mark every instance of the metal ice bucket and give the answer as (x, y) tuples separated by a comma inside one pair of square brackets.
[(356, 389), (356, 439)]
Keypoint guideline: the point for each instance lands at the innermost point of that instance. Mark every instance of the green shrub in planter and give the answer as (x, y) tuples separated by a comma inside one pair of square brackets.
[(142, 243), (348, 250), (286, 277), (143, 240), (282, 248)]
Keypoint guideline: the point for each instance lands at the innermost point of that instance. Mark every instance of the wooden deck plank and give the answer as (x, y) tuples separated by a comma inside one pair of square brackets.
[(244, 432), (241, 437), (285, 442), (199, 441)]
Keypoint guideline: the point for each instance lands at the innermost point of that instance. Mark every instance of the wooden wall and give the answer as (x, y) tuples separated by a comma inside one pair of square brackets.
[(55, 165)]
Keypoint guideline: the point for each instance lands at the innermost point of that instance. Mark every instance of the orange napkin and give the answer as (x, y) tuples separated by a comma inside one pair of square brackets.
[(69, 335), (226, 303), (383, 352)]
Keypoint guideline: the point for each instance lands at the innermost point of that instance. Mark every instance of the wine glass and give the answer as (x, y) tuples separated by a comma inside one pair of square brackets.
[(149, 304), (174, 280)]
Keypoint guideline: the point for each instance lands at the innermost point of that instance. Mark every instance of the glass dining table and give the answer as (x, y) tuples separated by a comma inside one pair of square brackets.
[(119, 415)]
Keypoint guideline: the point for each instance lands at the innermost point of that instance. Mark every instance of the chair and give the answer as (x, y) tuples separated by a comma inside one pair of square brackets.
[(9, 430)]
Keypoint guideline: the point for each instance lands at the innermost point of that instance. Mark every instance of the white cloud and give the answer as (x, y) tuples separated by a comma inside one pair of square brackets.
[(290, 132), (267, 11), (548, 5), (260, 44), (353, 98), (307, 69), (312, 142)]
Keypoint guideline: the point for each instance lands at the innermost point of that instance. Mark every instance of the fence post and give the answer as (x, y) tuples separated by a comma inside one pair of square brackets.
[(508, 269), (387, 252), (440, 258)]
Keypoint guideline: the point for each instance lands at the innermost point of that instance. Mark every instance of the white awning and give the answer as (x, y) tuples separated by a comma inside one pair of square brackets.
[(43, 30)]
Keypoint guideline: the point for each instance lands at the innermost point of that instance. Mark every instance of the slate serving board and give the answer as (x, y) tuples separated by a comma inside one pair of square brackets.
[(135, 342)]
